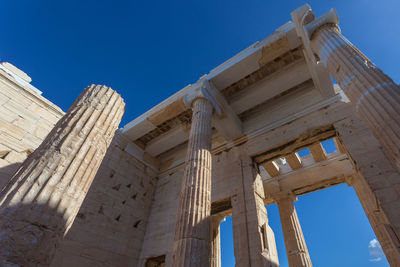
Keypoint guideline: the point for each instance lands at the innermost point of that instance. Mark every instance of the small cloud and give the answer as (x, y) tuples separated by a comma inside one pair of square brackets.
[(375, 251)]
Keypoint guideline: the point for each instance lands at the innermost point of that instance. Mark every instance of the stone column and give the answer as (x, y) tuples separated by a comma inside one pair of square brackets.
[(216, 240), (296, 247), (41, 200), (192, 234), (374, 95)]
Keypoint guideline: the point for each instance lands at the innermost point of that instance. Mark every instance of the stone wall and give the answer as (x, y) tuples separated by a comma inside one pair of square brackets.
[(160, 232), (110, 226), (26, 118), (159, 238), (111, 223)]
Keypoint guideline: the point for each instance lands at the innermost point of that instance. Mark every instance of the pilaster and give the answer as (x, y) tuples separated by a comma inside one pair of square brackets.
[(254, 240)]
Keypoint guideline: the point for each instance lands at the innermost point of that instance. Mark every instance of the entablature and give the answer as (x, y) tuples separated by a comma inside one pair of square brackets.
[(264, 85)]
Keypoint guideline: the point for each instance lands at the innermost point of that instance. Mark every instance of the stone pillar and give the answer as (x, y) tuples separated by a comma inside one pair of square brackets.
[(192, 234), (377, 219), (296, 247), (374, 95), (41, 200), (216, 240), (377, 182), (254, 240)]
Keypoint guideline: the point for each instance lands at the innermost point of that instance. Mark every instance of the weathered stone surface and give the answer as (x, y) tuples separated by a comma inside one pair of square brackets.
[(26, 118), (271, 100), (112, 221), (41, 200), (192, 234), (377, 219), (374, 95), (377, 181), (296, 247)]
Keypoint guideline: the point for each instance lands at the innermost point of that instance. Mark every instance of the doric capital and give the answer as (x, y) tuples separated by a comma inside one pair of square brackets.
[(202, 89)]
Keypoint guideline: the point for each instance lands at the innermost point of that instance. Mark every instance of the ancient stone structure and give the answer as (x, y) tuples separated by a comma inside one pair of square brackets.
[(193, 226), (296, 247), (227, 145), (42, 198)]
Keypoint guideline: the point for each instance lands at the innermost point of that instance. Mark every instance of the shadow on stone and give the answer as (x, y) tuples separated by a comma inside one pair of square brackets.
[(7, 172), (30, 234)]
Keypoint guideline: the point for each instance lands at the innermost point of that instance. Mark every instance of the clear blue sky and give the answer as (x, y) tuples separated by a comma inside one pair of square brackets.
[(147, 50)]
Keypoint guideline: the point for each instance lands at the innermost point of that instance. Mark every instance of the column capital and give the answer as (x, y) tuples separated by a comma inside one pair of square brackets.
[(202, 89), (285, 196)]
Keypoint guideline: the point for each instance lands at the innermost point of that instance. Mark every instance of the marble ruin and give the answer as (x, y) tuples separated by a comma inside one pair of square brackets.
[(78, 191)]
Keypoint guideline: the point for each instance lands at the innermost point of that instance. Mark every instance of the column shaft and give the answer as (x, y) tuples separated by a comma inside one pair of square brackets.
[(216, 241), (41, 200), (374, 95), (192, 234), (296, 247)]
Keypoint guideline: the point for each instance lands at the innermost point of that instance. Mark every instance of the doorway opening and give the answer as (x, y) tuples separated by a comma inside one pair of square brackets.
[(227, 250)]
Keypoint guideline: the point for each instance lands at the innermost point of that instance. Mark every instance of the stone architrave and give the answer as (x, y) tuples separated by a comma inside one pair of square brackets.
[(192, 243), (43, 197), (296, 247), (374, 95)]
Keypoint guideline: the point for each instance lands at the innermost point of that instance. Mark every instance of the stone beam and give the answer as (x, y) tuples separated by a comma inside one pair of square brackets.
[(294, 161), (272, 168), (297, 129), (270, 86), (228, 123), (319, 74), (316, 176), (318, 152)]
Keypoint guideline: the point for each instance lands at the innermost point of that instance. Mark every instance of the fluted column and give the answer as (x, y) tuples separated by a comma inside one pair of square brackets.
[(216, 240), (296, 247), (192, 235), (41, 200), (374, 95)]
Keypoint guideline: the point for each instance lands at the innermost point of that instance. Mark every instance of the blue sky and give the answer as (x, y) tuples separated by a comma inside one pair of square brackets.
[(147, 50)]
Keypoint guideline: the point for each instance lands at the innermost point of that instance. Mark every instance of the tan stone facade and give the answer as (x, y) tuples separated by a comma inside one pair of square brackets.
[(26, 117), (226, 145)]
